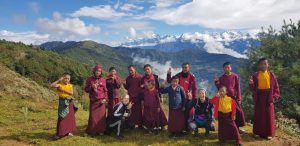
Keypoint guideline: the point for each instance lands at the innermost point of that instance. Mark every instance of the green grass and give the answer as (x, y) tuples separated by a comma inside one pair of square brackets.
[(37, 126)]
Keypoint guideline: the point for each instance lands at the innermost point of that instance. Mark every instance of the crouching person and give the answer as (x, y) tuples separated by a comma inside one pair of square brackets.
[(203, 116), (117, 117)]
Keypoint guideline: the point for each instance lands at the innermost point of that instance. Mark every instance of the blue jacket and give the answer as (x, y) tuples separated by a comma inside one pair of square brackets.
[(176, 97)]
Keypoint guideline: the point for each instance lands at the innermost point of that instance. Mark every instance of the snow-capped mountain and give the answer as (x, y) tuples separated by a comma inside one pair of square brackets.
[(234, 43)]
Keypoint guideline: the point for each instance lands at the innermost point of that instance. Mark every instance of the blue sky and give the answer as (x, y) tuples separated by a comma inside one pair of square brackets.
[(115, 21)]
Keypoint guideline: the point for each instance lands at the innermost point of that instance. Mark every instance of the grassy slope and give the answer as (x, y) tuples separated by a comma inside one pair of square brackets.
[(37, 125)]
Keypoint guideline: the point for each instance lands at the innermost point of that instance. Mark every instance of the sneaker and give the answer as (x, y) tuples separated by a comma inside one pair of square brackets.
[(269, 138), (70, 134)]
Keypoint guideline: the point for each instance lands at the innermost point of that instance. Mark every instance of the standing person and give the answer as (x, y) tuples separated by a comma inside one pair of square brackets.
[(265, 90), (226, 108), (133, 86), (203, 117), (176, 121), (113, 85), (150, 76), (120, 113), (96, 87), (152, 108), (232, 83), (188, 81), (66, 124)]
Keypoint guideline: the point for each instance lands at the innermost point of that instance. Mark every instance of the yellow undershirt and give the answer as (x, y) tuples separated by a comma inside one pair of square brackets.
[(263, 80), (225, 104), (66, 87)]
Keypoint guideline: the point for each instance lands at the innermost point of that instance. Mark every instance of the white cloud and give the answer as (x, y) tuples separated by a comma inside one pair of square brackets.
[(25, 37), (158, 68), (99, 12), (228, 14), (66, 27), (131, 7), (35, 7), (132, 32), (138, 25)]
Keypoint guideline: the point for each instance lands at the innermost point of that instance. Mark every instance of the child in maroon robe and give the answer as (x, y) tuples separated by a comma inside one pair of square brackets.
[(188, 81), (133, 86), (152, 108), (66, 124), (176, 94), (232, 82), (113, 85), (150, 76), (265, 90), (96, 87), (225, 108)]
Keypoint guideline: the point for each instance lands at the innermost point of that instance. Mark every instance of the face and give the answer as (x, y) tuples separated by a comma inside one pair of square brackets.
[(148, 71), (227, 69), (66, 79), (222, 92), (150, 86), (263, 65), (125, 101), (202, 95), (174, 82), (98, 72), (185, 68), (113, 72), (131, 71)]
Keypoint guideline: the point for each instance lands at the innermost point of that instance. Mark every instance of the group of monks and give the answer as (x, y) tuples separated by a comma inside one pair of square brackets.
[(189, 108)]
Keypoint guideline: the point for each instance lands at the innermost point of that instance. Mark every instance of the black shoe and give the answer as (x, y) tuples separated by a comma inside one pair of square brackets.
[(120, 137)]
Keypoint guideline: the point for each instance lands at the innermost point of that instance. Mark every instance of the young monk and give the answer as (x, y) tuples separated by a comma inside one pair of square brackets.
[(265, 90), (133, 86), (119, 114), (232, 82), (188, 81), (176, 122), (150, 76), (66, 124), (203, 117), (96, 87), (152, 108), (113, 85), (225, 108)]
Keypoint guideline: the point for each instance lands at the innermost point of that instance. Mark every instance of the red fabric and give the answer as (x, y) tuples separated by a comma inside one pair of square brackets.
[(97, 118), (96, 68), (189, 83), (232, 83), (133, 85), (147, 78), (113, 87), (176, 120), (100, 92), (67, 124), (136, 116), (112, 103), (264, 114), (227, 129), (215, 101)]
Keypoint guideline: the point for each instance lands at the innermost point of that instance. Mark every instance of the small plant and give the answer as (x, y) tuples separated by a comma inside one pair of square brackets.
[(289, 126)]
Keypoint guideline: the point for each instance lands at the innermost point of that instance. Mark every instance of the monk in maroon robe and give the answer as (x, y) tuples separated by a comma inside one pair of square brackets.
[(188, 81), (113, 84), (232, 82), (265, 90), (96, 87), (152, 108), (150, 76), (133, 86)]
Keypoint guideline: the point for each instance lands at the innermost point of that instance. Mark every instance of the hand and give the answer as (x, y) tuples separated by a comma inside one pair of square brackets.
[(216, 77), (163, 85), (233, 118), (126, 115), (142, 86), (60, 79), (130, 105), (251, 80), (190, 95), (158, 110), (169, 71), (212, 124), (123, 82), (103, 101), (95, 85)]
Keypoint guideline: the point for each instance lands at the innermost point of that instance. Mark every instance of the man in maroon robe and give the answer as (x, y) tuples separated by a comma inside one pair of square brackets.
[(188, 81), (232, 82), (113, 85), (133, 86), (264, 115)]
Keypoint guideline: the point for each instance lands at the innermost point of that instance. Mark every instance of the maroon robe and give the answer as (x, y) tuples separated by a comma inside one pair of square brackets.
[(113, 87), (67, 124), (176, 121), (133, 87), (188, 83), (97, 116), (264, 115), (152, 117), (232, 83)]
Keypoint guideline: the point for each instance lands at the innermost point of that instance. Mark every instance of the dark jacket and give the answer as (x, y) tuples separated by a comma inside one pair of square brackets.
[(117, 113), (176, 97), (205, 108)]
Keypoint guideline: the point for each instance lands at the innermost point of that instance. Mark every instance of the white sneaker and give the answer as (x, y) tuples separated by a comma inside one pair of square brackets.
[(70, 134)]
